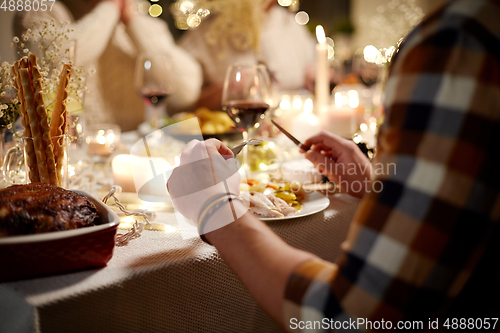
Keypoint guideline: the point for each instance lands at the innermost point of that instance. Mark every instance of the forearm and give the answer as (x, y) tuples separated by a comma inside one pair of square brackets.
[(261, 259), (94, 31), (91, 33)]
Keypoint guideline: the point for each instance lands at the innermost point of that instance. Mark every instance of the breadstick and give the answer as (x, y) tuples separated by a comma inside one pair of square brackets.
[(58, 122), (30, 149), (34, 125), (46, 144)]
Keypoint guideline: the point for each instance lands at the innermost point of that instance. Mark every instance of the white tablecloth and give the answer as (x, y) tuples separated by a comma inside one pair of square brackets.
[(162, 283)]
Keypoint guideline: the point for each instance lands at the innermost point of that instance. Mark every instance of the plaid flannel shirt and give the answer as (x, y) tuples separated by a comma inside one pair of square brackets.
[(426, 246)]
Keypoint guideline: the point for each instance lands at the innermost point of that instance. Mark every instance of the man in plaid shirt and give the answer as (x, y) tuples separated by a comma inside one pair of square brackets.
[(427, 245), (424, 246)]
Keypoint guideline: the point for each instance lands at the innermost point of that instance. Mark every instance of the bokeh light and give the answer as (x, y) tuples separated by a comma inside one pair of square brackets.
[(186, 6), (285, 3), (155, 10), (193, 21), (302, 18), (371, 53), (331, 50), (308, 105), (297, 102)]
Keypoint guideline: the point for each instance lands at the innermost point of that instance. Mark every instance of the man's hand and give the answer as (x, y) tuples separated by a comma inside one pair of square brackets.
[(206, 170), (341, 161)]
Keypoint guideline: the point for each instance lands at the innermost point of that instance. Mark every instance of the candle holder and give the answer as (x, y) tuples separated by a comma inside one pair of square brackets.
[(102, 140)]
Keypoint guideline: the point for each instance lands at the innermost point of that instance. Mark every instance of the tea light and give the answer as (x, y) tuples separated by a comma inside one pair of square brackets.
[(102, 138)]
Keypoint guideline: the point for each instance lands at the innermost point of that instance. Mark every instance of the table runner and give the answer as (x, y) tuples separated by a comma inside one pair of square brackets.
[(162, 283)]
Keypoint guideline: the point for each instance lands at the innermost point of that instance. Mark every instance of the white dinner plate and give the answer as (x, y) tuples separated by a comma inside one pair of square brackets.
[(314, 202)]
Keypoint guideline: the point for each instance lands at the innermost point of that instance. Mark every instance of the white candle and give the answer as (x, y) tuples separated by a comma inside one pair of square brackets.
[(101, 139), (339, 120), (133, 172), (301, 171), (122, 172), (322, 85), (97, 148)]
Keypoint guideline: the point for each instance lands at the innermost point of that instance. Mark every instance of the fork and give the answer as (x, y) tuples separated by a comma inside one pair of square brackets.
[(239, 147)]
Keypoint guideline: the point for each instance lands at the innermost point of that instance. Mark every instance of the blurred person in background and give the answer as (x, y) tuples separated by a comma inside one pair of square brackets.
[(246, 32), (109, 37)]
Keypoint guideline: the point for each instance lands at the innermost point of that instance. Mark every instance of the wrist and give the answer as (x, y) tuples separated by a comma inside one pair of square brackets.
[(220, 211), (228, 231)]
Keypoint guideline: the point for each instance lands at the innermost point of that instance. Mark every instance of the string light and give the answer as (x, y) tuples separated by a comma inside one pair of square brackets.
[(188, 14)]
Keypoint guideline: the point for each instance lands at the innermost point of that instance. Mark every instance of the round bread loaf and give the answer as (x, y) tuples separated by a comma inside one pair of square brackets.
[(37, 208)]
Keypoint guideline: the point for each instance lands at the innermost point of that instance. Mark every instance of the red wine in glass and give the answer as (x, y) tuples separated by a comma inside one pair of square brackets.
[(245, 114), (153, 96)]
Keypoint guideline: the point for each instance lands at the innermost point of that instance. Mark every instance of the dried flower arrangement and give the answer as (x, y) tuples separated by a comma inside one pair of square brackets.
[(51, 42)]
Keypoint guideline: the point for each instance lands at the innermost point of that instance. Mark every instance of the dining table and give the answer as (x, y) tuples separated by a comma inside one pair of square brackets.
[(164, 282)]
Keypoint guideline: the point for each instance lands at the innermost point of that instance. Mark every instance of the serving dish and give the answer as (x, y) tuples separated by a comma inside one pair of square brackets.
[(29, 256)]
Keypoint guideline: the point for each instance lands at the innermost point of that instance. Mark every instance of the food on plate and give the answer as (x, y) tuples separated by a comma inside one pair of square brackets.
[(44, 151), (37, 208), (271, 199), (211, 122)]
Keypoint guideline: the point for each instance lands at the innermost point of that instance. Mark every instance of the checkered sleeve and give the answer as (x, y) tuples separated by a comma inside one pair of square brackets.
[(413, 246)]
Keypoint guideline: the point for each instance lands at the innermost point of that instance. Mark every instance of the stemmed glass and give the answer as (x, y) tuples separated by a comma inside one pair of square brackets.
[(246, 96), (153, 84)]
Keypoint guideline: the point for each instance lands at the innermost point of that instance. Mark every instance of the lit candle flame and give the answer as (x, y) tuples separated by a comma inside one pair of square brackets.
[(320, 34)]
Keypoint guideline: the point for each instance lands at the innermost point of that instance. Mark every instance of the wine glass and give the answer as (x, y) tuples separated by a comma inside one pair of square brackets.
[(152, 82), (246, 96)]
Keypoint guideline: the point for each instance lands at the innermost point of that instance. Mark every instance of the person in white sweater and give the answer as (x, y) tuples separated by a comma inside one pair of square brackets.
[(109, 37), (286, 47)]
